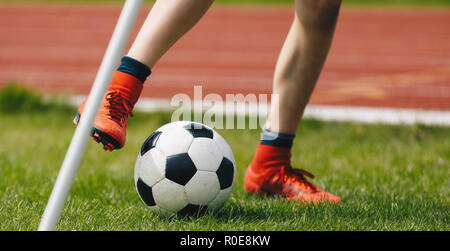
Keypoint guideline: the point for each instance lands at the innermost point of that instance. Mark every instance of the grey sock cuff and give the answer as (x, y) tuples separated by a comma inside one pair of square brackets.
[(272, 138)]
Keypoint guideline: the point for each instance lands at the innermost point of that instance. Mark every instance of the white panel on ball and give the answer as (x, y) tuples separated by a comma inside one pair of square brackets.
[(220, 199), (169, 195), (169, 126), (205, 154), (224, 147), (202, 188), (151, 167), (174, 141)]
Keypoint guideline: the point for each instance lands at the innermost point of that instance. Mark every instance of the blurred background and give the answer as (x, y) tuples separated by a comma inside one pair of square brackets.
[(386, 54)]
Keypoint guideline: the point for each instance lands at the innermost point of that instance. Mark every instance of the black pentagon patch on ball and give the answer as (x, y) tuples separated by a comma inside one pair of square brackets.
[(150, 142), (225, 173), (146, 193), (192, 210), (199, 130), (180, 168)]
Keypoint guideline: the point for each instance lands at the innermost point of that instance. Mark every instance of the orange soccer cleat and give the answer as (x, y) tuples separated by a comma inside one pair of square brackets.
[(270, 173), (111, 120)]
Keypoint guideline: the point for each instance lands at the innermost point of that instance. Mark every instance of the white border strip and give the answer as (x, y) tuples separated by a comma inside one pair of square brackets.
[(371, 115), (378, 115)]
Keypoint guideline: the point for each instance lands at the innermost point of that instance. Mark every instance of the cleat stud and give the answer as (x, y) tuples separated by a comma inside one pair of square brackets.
[(108, 147)]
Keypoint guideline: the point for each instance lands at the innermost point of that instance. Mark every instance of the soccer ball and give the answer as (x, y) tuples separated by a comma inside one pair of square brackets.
[(184, 168)]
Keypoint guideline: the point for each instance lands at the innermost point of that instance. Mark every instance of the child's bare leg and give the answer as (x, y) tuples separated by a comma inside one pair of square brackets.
[(298, 68), (167, 22), (301, 60)]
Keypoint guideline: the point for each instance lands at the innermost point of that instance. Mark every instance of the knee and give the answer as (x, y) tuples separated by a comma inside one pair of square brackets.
[(318, 14)]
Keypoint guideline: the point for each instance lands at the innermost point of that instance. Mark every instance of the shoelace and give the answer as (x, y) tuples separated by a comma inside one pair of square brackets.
[(287, 172), (119, 107)]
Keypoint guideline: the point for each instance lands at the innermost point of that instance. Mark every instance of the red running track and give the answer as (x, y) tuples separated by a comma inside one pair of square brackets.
[(394, 58)]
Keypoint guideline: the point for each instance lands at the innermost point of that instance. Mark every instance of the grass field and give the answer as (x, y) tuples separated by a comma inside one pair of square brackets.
[(389, 177), (358, 3)]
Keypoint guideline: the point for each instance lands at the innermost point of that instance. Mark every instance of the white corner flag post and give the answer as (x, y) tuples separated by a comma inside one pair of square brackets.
[(78, 145)]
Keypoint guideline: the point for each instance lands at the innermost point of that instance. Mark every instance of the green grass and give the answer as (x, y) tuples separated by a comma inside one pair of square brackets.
[(389, 177), (358, 3)]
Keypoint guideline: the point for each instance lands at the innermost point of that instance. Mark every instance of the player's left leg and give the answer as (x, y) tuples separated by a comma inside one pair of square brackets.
[(297, 71), (167, 22)]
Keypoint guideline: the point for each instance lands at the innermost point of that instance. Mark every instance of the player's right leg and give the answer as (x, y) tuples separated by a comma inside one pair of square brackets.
[(166, 23), (298, 68)]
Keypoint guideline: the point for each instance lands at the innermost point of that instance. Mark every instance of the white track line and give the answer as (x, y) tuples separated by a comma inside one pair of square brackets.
[(378, 115), (369, 115)]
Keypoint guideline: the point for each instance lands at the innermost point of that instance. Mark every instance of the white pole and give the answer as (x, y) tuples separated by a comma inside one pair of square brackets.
[(78, 145)]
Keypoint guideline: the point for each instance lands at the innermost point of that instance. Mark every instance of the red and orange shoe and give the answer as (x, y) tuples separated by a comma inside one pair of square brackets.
[(112, 117), (271, 174)]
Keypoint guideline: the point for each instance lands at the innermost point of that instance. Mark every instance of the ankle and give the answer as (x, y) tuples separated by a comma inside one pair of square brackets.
[(277, 139), (129, 86), (268, 156), (134, 68)]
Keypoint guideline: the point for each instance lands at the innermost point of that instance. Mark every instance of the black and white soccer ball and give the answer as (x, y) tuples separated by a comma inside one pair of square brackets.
[(185, 168)]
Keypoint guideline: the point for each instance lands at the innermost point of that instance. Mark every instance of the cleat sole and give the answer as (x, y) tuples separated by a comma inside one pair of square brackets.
[(96, 139), (109, 143), (99, 136)]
